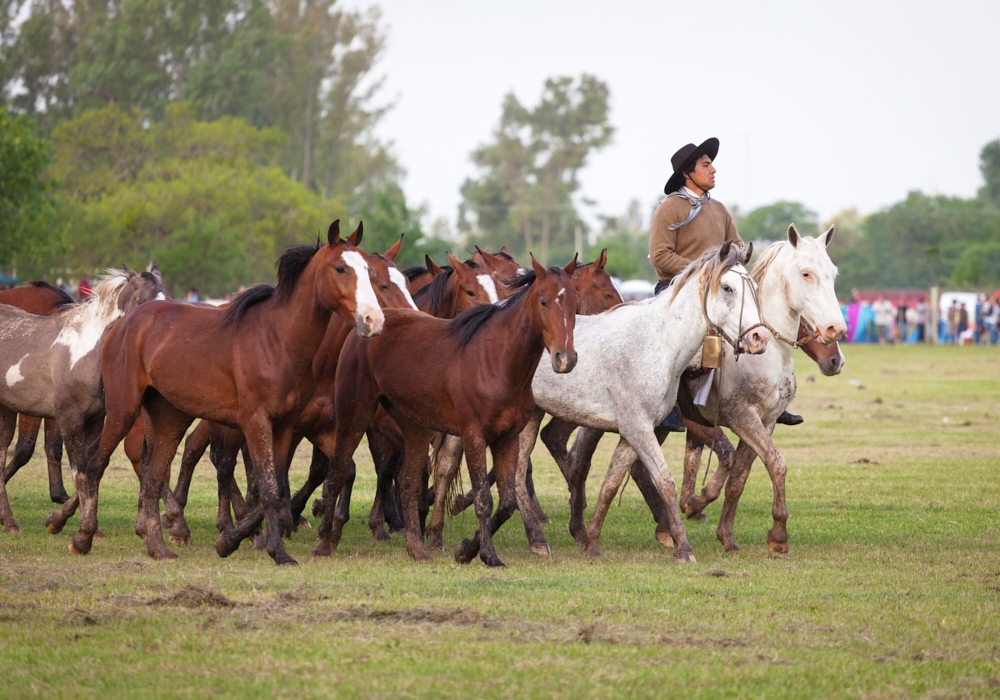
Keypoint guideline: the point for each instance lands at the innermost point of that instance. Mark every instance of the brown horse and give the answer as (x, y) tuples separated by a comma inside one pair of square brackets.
[(597, 293), (42, 299), (475, 381), (248, 366)]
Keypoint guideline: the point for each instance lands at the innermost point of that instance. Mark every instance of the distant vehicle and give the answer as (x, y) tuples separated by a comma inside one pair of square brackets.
[(634, 290)]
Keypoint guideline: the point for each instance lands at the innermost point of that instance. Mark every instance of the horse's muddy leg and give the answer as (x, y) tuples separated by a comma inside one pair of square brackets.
[(555, 435), (529, 516), (342, 513), (759, 439), (475, 459), (165, 426), (742, 462), (620, 461), (8, 422), (318, 468), (699, 437), (529, 481), (657, 506), (386, 466), (417, 440), (27, 437), (580, 459), (647, 446), (194, 448), (53, 457), (446, 462)]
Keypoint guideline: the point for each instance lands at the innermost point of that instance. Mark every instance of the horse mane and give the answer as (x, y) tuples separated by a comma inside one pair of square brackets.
[(707, 267), (437, 286), (106, 286), (412, 273), (290, 266), (64, 298), (763, 263)]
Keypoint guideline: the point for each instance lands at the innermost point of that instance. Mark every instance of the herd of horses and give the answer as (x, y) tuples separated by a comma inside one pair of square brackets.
[(431, 363)]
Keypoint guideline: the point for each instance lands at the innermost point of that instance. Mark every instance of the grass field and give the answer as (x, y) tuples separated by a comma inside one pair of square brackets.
[(891, 589)]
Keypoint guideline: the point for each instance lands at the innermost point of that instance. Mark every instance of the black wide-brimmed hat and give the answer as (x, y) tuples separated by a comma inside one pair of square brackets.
[(685, 156)]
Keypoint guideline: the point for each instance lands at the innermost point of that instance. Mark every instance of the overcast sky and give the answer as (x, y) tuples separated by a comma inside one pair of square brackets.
[(830, 104)]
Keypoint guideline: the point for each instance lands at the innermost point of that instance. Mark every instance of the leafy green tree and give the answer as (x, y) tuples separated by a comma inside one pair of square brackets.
[(989, 165), (385, 214), (627, 239), (770, 223), (28, 230), (529, 169)]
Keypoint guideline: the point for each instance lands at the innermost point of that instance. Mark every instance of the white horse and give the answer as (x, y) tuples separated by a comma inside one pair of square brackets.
[(795, 284), (630, 362)]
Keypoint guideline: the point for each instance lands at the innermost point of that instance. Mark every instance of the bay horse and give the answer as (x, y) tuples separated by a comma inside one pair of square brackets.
[(245, 366), (651, 341), (42, 299), (796, 281), (596, 293), (475, 381), (51, 366)]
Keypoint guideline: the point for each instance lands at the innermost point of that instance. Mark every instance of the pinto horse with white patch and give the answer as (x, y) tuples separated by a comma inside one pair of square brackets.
[(246, 366), (50, 366)]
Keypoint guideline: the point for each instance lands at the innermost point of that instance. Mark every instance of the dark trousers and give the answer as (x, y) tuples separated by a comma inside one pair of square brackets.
[(661, 285)]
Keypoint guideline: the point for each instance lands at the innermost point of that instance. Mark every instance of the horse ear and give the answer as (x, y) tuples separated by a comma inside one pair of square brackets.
[(454, 262), (333, 233), (128, 273), (503, 249), (828, 236), (155, 271), (539, 269), (355, 237), (602, 259), (793, 235), (571, 265), (432, 266), (725, 249), (394, 251), (487, 258), (747, 254)]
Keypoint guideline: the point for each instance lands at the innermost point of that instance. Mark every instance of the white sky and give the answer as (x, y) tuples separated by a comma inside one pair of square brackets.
[(830, 104)]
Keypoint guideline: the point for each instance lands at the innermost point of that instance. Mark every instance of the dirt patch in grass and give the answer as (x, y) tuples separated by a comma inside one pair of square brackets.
[(193, 597)]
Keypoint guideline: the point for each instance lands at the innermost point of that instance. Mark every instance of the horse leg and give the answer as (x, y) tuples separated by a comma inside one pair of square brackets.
[(194, 448), (342, 513), (384, 475), (724, 450), (223, 456), (475, 459), (270, 451), (8, 422), (165, 426), (742, 462), (620, 461), (27, 436), (288, 524), (555, 435), (645, 443), (759, 437), (53, 456), (529, 481), (446, 462), (529, 516), (580, 459), (416, 441), (318, 468)]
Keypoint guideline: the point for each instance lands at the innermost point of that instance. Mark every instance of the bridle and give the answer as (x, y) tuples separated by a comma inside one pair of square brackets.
[(793, 344), (713, 329)]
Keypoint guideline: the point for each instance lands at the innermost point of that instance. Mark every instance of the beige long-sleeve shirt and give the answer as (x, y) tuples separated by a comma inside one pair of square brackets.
[(672, 251)]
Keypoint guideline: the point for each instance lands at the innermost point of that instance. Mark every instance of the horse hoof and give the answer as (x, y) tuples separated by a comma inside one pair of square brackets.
[(224, 546), (180, 540), (421, 556), (541, 549), (464, 553), (593, 551), (435, 542), (381, 535), (13, 529), (493, 562), (59, 498), (53, 523), (163, 555), (665, 539), (731, 548), (685, 558), (303, 523), (779, 548), (285, 560), (321, 552), (74, 550), (700, 517), (318, 508), (98, 535)]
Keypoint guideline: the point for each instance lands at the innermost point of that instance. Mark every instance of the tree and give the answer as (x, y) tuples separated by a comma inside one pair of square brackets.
[(385, 214), (770, 223), (627, 239), (27, 228), (529, 169), (989, 165)]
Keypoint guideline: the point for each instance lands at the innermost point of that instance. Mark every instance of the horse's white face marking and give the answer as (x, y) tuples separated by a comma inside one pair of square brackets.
[(489, 286), (365, 303), (724, 308), (161, 297), (559, 296), (399, 279), (14, 373)]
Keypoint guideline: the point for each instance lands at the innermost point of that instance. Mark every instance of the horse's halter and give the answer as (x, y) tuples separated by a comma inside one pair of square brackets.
[(793, 344), (713, 329)]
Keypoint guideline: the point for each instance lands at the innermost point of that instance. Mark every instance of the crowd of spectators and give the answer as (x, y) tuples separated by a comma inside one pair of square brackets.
[(906, 319)]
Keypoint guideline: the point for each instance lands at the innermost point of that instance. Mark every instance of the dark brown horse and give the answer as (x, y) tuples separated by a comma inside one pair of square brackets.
[(42, 299), (247, 366), (597, 293), (475, 381)]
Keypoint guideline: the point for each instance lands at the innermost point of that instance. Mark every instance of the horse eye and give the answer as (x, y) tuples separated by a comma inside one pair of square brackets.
[(726, 288), (607, 295), (340, 270), (806, 275), (383, 287), (544, 304), (470, 292)]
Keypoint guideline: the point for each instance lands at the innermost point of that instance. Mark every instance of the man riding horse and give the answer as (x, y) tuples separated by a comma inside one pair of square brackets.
[(687, 223)]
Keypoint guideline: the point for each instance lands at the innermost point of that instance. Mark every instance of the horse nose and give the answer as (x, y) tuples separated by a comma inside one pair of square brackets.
[(563, 362), (369, 324), (755, 342), (835, 332)]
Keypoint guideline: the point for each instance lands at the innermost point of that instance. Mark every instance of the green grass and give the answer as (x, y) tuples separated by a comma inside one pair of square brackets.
[(891, 589)]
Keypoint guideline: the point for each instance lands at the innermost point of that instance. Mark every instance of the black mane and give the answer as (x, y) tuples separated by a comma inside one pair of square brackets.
[(468, 323), (412, 273), (528, 277), (64, 298), (290, 266)]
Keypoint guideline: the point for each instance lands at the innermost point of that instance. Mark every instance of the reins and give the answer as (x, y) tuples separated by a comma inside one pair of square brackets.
[(796, 344)]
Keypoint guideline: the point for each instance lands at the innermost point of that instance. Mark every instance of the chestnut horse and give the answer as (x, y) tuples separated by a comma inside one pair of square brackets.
[(475, 381), (42, 299), (248, 366)]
